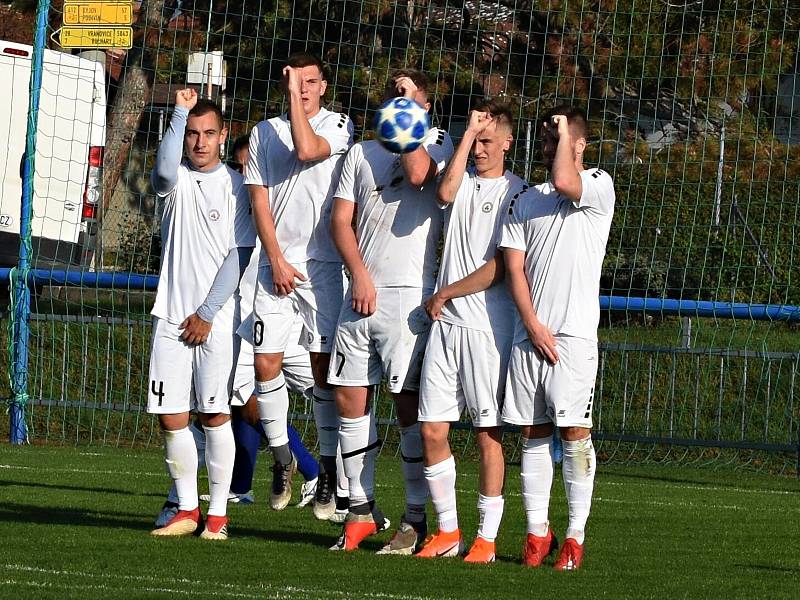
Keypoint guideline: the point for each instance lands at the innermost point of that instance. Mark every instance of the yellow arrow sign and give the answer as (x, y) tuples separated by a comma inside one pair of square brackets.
[(96, 37), (98, 13)]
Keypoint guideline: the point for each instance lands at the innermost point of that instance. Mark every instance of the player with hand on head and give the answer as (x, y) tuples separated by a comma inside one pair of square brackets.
[(294, 163), (383, 327), (554, 241), (466, 359), (206, 232)]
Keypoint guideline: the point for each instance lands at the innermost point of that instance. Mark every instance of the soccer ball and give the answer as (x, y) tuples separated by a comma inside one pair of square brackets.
[(401, 125)]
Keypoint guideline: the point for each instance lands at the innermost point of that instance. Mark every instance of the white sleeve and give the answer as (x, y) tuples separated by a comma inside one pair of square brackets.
[(439, 147), (346, 190), (255, 172), (598, 191), (337, 130), (244, 231), (513, 234)]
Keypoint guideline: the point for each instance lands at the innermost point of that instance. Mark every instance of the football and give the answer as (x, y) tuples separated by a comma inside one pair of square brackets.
[(401, 125)]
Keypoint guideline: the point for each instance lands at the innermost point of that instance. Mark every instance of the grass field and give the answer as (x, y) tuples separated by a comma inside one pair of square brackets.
[(74, 523)]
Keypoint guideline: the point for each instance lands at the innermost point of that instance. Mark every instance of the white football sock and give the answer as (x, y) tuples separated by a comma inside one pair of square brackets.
[(490, 511), (220, 454), (342, 484), (273, 409), (441, 479), (537, 479), (413, 472), (327, 420), (578, 469), (358, 439), (181, 458), (200, 442)]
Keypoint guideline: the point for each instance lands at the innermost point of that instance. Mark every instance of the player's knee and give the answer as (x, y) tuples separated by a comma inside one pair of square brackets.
[(574, 434), (174, 422), (490, 440), (538, 431), (434, 435), (214, 419), (267, 366)]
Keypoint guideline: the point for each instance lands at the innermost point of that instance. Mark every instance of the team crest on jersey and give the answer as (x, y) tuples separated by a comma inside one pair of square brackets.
[(487, 207), (214, 214)]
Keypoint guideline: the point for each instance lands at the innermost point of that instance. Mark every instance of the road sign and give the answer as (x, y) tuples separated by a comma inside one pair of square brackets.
[(88, 12), (95, 37)]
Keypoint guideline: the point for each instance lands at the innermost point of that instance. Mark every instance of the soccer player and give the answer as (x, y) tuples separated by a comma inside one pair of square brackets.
[(205, 221), (294, 163), (554, 241), (383, 326), (466, 358)]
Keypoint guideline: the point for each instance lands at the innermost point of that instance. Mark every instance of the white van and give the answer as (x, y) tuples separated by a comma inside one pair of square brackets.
[(71, 133)]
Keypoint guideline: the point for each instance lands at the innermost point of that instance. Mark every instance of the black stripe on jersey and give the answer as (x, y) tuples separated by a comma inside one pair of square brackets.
[(597, 173), (440, 138), (342, 121)]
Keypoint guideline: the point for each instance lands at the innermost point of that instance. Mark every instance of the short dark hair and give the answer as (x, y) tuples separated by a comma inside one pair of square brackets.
[(240, 143), (576, 117), (298, 60), (499, 110), (205, 106), (418, 77)]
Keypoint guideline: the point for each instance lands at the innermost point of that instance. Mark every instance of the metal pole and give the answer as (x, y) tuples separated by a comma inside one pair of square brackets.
[(22, 297)]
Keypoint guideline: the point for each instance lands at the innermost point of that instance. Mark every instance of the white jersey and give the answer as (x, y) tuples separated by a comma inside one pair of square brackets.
[(398, 225), (300, 193), (204, 216), (473, 230), (564, 244)]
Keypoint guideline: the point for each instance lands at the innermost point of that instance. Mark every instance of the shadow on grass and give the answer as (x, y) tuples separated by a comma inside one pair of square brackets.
[(696, 481), (77, 488), (14, 512)]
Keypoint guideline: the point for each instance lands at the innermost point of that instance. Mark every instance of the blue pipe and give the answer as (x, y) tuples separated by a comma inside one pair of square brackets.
[(22, 299), (661, 306)]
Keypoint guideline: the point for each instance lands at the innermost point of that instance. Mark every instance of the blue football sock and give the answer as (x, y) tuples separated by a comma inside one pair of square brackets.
[(306, 464), (248, 439)]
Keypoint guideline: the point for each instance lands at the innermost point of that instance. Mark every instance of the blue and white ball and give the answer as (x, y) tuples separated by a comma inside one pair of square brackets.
[(401, 125)]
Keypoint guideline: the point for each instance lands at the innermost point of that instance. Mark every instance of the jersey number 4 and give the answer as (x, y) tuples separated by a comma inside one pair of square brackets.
[(157, 392)]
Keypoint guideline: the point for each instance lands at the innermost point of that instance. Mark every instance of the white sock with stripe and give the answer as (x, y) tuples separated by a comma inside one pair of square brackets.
[(441, 479), (537, 480)]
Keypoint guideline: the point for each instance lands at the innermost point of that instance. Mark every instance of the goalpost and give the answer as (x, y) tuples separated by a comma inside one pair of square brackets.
[(695, 113)]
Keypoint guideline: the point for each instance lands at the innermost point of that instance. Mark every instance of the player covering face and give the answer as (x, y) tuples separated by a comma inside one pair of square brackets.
[(468, 350), (382, 327), (554, 241), (294, 162)]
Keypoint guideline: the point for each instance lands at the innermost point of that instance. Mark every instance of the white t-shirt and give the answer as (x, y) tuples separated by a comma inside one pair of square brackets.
[(473, 229), (398, 225), (300, 193), (564, 245), (203, 217)]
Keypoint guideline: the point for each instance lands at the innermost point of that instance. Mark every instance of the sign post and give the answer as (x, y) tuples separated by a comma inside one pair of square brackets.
[(96, 24)]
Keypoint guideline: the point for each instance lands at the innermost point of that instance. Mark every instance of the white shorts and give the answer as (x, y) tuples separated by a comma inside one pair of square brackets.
[(389, 343), (296, 365), (184, 377), (538, 392), (464, 367), (316, 301)]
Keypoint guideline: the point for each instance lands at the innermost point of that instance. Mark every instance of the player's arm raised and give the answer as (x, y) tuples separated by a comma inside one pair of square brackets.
[(564, 173), (170, 151), (484, 277), (540, 335), (308, 145), (361, 287), (454, 174), (418, 165)]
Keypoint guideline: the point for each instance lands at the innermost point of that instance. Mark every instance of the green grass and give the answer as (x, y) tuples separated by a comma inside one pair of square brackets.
[(74, 523)]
